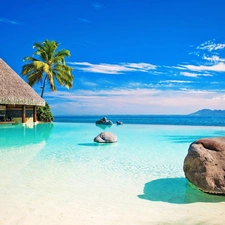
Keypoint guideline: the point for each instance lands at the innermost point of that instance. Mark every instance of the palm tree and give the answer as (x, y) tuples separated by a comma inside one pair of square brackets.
[(49, 66)]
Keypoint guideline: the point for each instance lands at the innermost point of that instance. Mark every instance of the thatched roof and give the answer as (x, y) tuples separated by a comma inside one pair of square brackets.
[(14, 90)]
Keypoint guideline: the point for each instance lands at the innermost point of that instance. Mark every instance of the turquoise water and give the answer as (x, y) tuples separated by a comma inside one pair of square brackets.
[(55, 165)]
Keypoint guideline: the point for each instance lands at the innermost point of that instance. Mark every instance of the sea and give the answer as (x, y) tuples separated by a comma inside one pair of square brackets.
[(148, 119), (55, 174)]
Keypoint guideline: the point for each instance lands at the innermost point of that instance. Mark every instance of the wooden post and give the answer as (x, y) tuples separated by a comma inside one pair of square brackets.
[(34, 114), (23, 113)]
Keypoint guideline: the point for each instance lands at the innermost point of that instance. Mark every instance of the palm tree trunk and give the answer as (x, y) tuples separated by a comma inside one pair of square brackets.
[(43, 88)]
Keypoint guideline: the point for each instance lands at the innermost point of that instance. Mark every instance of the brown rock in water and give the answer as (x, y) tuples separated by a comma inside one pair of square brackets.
[(106, 137), (204, 165)]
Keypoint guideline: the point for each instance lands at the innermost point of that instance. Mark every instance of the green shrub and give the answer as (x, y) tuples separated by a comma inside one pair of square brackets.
[(44, 113)]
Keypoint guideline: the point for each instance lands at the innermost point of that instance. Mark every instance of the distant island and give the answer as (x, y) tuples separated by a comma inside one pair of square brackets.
[(209, 113)]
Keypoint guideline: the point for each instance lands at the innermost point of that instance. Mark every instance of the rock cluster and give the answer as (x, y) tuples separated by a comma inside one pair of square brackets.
[(204, 165)]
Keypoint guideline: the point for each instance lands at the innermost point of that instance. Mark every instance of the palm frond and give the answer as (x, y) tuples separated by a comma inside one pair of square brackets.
[(60, 56), (50, 78), (50, 48), (41, 66), (38, 45), (28, 58), (26, 69), (63, 53), (35, 77), (63, 75)]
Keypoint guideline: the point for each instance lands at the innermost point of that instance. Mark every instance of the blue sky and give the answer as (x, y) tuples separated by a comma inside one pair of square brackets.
[(129, 56)]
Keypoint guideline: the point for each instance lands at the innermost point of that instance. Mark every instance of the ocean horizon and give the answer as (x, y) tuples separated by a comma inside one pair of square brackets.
[(187, 120)]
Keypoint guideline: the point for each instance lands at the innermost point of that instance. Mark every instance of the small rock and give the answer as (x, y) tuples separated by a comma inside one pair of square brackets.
[(106, 137), (119, 123), (104, 121)]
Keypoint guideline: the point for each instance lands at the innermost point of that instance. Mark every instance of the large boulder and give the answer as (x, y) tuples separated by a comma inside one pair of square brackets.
[(106, 137), (204, 165), (104, 121)]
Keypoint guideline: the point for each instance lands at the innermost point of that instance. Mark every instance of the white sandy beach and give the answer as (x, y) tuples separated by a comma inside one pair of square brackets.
[(100, 204), (61, 196)]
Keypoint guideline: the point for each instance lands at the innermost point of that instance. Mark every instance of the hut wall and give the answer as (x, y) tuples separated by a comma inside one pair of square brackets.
[(15, 112), (2, 112)]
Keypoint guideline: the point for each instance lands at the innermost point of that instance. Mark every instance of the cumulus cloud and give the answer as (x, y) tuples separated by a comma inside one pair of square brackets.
[(113, 68)]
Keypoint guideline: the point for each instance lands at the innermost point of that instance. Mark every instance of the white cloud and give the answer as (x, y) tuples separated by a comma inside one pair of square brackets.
[(187, 74), (211, 46), (221, 97), (175, 81), (113, 68), (220, 67), (175, 67), (214, 62), (102, 68), (195, 53), (213, 58), (143, 67), (135, 101), (13, 22)]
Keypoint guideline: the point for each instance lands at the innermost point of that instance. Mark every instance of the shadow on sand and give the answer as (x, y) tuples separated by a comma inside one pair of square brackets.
[(176, 191)]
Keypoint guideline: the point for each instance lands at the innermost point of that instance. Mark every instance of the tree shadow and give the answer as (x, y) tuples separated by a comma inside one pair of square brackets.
[(176, 191)]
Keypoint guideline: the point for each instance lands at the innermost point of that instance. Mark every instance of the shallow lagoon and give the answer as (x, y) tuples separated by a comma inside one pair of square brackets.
[(55, 174)]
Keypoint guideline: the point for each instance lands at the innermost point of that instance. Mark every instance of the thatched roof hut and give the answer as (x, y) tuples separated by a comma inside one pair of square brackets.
[(14, 91)]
